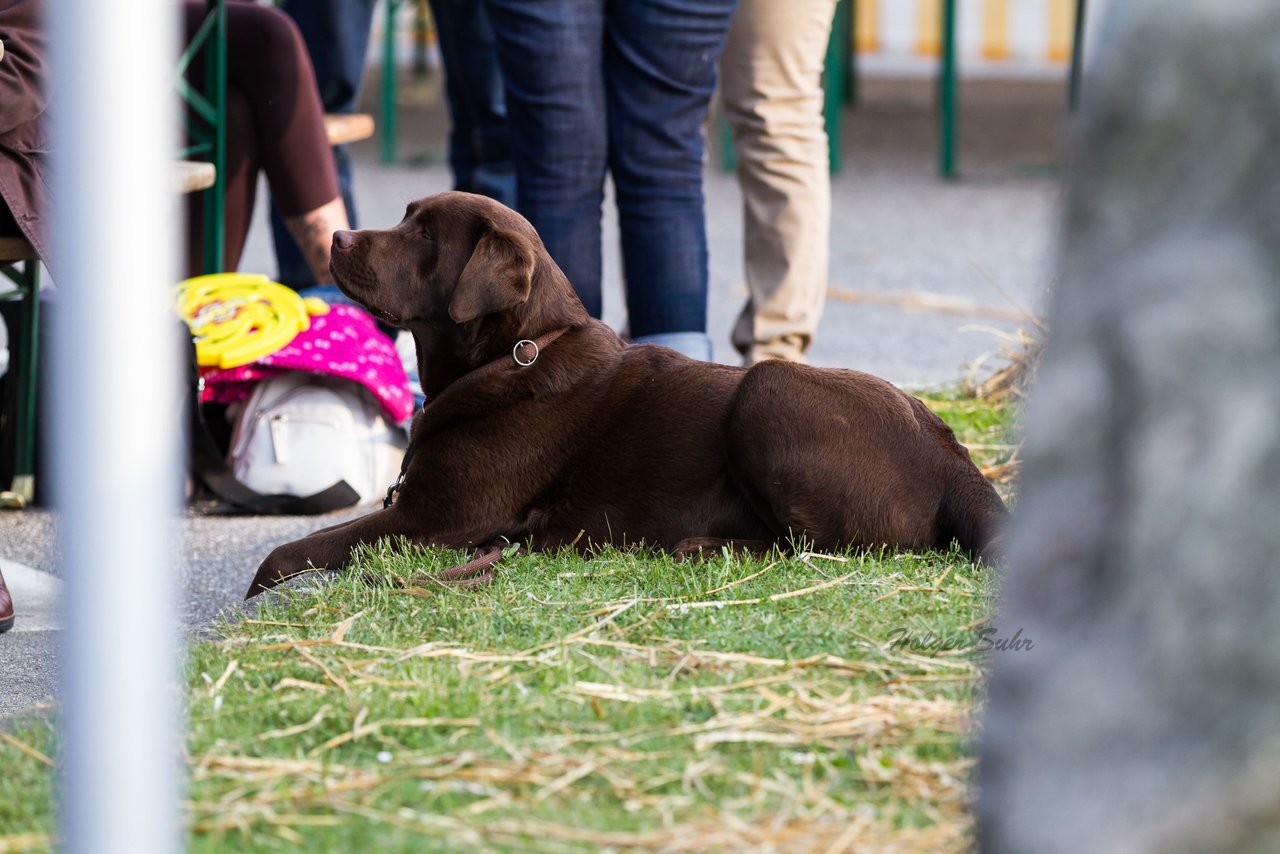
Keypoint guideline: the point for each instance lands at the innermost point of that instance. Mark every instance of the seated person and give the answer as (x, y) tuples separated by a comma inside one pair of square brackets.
[(23, 131), (23, 143), (275, 123)]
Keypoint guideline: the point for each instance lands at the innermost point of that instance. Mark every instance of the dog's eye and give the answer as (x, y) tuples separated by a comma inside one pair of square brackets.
[(426, 235)]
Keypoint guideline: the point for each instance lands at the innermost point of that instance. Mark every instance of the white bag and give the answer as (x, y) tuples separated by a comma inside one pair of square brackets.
[(301, 433)]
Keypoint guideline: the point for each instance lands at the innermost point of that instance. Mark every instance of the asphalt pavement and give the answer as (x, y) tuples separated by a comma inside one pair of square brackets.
[(924, 275)]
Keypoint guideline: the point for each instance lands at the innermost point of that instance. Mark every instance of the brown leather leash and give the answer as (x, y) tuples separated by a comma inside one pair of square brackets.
[(477, 572)]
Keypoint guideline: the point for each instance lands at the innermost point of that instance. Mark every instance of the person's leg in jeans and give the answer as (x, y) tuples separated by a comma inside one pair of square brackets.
[(660, 72), (772, 91), (479, 142), (336, 33), (551, 57)]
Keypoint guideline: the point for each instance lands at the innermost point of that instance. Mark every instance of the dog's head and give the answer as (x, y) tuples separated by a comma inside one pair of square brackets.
[(466, 275)]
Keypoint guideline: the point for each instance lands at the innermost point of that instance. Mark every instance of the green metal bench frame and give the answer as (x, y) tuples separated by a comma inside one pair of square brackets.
[(207, 122), (389, 108), (948, 108)]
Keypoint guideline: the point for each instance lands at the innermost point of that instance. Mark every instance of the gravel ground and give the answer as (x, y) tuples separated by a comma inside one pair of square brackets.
[(987, 239)]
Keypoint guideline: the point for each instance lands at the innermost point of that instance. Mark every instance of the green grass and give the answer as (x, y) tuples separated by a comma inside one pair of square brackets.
[(624, 701)]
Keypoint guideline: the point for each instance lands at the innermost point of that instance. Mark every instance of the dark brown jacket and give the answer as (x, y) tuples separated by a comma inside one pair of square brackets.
[(24, 137)]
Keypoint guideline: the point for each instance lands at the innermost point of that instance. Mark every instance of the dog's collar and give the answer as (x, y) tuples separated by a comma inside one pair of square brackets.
[(523, 354), (520, 352)]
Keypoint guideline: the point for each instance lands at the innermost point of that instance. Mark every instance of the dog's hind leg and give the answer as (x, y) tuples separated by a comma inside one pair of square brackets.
[(837, 458)]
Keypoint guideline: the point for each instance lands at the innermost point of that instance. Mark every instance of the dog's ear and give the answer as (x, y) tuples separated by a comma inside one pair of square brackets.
[(498, 276)]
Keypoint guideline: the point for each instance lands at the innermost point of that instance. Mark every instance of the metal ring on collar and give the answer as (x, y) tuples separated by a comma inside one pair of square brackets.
[(515, 352)]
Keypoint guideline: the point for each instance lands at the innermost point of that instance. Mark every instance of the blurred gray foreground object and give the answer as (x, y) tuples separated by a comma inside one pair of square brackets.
[(1145, 564)]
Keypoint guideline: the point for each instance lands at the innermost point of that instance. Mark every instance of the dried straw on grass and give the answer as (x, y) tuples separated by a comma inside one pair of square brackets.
[(294, 794), (1020, 353), (805, 707), (26, 842), (927, 302), (830, 738)]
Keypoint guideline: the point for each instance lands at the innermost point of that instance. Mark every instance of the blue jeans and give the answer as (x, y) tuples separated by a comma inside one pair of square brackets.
[(621, 85), (479, 142), (336, 33)]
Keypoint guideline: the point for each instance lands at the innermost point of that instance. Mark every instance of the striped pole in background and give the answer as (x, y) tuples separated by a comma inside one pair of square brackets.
[(1036, 32)]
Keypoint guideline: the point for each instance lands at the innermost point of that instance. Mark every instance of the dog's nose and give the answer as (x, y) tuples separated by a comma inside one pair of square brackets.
[(343, 241)]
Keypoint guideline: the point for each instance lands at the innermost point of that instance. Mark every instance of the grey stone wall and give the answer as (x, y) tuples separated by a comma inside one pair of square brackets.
[(1145, 562)]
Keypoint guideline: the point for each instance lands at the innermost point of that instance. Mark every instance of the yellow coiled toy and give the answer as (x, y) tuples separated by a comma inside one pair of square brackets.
[(238, 318)]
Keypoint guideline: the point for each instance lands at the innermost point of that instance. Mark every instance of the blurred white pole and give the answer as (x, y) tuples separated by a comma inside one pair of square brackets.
[(116, 422)]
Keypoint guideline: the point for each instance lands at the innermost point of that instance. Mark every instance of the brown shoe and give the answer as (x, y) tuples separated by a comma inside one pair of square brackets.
[(6, 607)]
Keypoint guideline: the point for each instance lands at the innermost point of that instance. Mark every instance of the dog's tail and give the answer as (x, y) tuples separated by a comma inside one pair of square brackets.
[(974, 516)]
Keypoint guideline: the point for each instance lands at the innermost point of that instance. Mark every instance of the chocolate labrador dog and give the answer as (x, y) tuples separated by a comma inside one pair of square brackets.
[(544, 427)]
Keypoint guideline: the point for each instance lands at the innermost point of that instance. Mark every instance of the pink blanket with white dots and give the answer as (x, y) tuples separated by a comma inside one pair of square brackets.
[(345, 343)]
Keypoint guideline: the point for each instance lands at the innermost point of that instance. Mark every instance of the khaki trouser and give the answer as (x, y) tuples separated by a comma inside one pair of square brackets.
[(771, 84)]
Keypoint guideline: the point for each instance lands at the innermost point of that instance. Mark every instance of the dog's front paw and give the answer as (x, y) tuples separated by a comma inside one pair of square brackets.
[(278, 566)]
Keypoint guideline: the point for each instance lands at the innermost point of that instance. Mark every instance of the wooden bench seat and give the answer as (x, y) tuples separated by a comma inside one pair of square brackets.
[(14, 249), (342, 128), (192, 175)]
